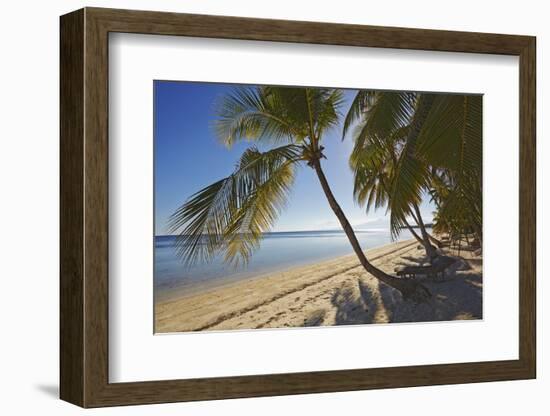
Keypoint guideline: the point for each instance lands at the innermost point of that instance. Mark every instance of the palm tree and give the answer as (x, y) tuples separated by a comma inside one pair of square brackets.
[(373, 166), (388, 124), (452, 143), (433, 142), (230, 216)]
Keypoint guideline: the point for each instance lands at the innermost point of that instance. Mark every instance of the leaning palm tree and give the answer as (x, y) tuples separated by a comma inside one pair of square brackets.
[(435, 149), (388, 123), (373, 166), (230, 216)]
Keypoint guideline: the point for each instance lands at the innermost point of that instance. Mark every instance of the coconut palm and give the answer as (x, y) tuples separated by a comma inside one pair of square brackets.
[(381, 138), (373, 166), (433, 142), (452, 143), (230, 216)]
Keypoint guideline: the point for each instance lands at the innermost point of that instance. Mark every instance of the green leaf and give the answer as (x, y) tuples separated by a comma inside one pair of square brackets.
[(229, 216)]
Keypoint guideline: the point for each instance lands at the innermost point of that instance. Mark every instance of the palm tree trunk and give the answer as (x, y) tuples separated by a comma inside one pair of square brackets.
[(425, 242), (411, 229), (410, 289), (430, 250), (414, 234), (418, 221), (424, 106)]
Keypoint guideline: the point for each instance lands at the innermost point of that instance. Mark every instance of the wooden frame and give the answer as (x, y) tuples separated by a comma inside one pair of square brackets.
[(84, 207)]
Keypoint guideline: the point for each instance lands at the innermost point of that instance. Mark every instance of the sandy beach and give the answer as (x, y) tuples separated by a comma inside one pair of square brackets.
[(334, 292)]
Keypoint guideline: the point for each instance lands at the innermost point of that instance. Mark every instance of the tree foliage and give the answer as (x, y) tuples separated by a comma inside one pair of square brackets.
[(408, 145), (230, 216)]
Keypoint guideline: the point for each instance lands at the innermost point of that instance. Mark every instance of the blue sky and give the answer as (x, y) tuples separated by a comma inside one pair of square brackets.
[(188, 157)]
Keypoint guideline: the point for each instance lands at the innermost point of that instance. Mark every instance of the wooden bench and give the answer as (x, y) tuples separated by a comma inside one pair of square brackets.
[(434, 270)]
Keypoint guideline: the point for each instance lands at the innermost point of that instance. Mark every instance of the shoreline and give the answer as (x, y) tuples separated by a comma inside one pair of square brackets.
[(332, 292), (201, 288)]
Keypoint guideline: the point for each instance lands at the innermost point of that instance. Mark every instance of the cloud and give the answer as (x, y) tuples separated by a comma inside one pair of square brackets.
[(376, 222)]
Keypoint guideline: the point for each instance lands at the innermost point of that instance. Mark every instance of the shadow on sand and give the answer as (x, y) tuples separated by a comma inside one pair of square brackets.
[(457, 297)]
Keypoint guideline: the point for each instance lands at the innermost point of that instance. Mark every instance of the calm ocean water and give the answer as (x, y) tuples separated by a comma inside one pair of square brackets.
[(278, 251)]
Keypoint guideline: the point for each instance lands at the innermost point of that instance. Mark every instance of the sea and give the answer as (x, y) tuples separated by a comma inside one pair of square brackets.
[(278, 251)]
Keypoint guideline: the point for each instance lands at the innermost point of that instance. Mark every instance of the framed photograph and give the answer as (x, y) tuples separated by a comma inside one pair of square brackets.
[(260, 207)]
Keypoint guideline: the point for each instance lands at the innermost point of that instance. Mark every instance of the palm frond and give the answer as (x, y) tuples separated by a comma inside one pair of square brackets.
[(326, 108), (451, 135), (452, 141), (255, 114), (411, 174), (229, 216), (276, 114), (389, 112), (373, 161), (361, 102), (372, 172)]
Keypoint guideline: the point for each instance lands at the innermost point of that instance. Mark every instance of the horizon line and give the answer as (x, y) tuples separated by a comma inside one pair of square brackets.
[(299, 231)]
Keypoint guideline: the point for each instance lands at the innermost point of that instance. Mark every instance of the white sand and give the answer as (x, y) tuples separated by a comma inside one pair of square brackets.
[(335, 292)]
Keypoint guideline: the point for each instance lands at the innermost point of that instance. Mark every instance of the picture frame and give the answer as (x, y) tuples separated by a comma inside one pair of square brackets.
[(84, 218)]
